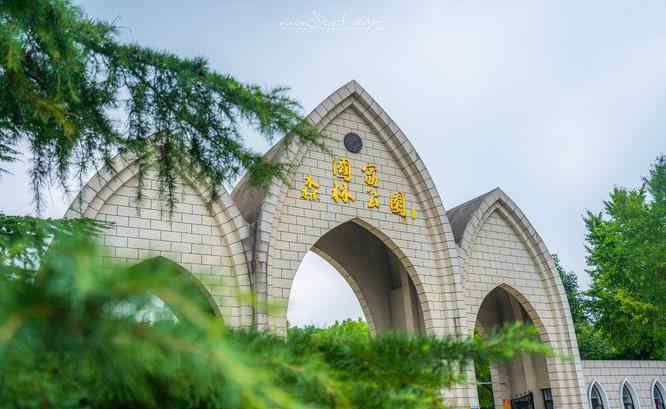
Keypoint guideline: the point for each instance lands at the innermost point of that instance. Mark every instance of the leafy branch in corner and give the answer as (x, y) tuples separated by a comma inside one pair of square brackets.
[(76, 96)]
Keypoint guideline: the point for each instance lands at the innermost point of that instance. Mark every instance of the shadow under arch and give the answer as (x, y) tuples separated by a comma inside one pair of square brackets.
[(527, 307), (525, 376), (187, 285), (383, 279)]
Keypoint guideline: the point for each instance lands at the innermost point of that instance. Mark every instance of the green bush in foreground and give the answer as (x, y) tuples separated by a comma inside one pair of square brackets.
[(70, 337)]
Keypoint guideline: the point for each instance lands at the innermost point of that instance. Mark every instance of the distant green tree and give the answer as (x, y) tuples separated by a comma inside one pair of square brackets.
[(626, 245), (571, 288), (592, 343), (75, 96)]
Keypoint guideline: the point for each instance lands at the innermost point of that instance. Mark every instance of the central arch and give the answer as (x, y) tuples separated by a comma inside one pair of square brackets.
[(377, 272)]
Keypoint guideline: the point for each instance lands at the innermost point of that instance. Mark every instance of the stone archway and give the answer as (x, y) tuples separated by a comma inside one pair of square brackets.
[(526, 373)]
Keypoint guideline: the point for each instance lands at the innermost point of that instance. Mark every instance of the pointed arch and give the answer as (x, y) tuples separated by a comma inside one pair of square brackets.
[(351, 95), (422, 297), (266, 208), (377, 268), (496, 201), (546, 292), (108, 180), (633, 394), (602, 394), (527, 307)]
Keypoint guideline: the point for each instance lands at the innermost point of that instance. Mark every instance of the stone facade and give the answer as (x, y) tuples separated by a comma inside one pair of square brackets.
[(431, 271)]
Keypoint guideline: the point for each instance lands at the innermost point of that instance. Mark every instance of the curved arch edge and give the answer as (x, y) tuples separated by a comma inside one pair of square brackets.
[(352, 284), (602, 391), (525, 304), (632, 391), (169, 266)]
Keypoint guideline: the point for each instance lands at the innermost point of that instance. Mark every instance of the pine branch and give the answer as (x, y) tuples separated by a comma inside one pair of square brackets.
[(64, 77)]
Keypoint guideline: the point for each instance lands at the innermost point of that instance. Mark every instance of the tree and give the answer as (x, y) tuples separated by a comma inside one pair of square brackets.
[(571, 288), (592, 344), (626, 244), (76, 96)]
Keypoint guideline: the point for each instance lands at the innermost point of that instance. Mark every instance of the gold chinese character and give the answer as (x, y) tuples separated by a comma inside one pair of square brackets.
[(373, 202), (370, 171), (342, 169), (340, 193), (310, 190), (413, 213), (398, 205)]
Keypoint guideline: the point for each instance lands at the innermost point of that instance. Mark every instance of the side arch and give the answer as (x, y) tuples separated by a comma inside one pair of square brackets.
[(524, 373), (221, 218), (498, 201), (511, 249)]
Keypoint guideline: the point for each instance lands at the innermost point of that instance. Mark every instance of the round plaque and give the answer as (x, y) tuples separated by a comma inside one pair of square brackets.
[(353, 142)]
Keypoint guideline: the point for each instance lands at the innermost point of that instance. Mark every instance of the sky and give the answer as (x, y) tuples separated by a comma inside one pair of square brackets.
[(554, 102)]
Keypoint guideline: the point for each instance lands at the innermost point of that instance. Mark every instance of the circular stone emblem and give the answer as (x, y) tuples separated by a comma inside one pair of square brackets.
[(353, 142)]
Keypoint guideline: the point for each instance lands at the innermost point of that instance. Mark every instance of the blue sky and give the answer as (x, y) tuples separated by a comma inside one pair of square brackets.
[(554, 102)]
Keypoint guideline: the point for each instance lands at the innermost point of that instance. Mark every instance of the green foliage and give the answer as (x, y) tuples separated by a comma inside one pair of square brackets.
[(76, 96), (627, 259), (343, 366), (574, 296), (592, 343), (25, 240), (484, 387), (70, 338)]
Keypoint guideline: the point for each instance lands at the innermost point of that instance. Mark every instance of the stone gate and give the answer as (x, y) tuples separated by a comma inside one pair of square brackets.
[(367, 204)]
